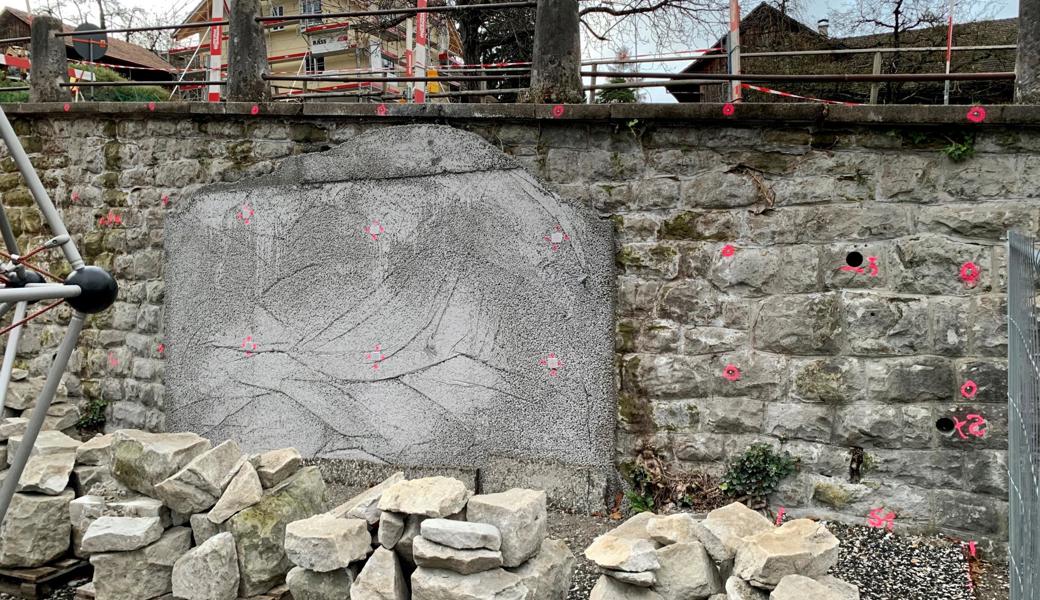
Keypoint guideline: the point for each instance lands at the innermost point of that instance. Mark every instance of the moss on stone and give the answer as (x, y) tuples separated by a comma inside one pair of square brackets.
[(820, 380), (626, 332), (681, 227), (831, 494), (629, 257), (240, 152), (636, 412), (111, 154)]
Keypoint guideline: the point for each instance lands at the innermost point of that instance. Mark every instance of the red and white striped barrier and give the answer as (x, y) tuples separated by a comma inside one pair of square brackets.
[(766, 90), (22, 63)]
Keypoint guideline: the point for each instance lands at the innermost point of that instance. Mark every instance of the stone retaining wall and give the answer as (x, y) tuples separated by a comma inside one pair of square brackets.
[(830, 361)]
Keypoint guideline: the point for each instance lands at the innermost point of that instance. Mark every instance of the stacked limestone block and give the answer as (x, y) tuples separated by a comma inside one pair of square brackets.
[(36, 529), (62, 414), (173, 513), (733, 554), (429, 539)]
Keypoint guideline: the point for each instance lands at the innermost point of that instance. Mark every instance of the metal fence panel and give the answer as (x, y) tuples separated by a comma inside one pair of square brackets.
[(1024, 416)]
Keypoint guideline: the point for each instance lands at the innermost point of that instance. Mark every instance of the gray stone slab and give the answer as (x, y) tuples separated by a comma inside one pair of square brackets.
[(468, 286)]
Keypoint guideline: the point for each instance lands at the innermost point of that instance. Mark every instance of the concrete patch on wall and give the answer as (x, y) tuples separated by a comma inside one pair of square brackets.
[(412, 297)]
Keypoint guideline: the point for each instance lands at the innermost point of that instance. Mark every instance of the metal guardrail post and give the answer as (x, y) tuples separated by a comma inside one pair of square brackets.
[(592, 86), (50, 65), (875, 87), (247, 54)]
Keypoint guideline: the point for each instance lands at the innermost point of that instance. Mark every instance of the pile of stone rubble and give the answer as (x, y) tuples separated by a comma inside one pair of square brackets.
[(454, 544), (735, 553), (171, 513)]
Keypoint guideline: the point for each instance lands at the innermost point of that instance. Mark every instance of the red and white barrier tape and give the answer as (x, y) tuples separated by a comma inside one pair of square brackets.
[(766, 90)]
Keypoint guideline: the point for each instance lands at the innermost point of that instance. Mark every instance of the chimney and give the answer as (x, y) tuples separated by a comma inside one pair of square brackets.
[(822, 26)]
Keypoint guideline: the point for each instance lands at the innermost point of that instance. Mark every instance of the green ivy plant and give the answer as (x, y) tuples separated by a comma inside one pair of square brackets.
[(757, 473), (959, 151), (93, 417)]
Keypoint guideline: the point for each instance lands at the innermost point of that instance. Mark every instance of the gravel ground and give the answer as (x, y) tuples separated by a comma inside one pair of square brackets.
[(885, 566)]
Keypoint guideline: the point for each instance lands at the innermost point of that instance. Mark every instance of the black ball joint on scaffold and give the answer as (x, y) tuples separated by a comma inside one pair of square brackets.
[(14, 280), (99, 289)]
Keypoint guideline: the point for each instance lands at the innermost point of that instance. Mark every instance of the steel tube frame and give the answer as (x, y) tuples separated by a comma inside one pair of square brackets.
[(51, 291), (61, 358), (11, 351), (43, 403)]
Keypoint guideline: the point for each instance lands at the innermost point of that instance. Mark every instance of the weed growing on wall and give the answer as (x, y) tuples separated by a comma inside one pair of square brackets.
[(756, 474)]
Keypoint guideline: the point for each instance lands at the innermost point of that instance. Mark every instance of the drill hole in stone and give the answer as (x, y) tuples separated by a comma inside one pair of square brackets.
[(854, 259), (945, 424)]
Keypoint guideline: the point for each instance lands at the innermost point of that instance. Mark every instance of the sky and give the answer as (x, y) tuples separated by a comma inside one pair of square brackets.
[(814, 10)]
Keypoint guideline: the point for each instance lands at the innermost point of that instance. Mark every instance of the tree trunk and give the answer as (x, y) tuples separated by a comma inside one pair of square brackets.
[(556, 66), (1027, 63)]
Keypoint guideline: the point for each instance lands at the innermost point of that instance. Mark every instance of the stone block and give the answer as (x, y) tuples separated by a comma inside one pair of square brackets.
[(723, 530), (319, 585), (47, 473), (143, 573), (916, 379), (950, 329), (885, 426), (391, 527), (712, 340), (692, 302), (833, 380), (931, 264), (244, 490), (686, 572), (82, 512), (121, 534), (439, 584), (673, 529), (989, 331), (36, 529), (381, 578), (547, 575), (800, 546), (608, 588), (141, 459), (700, 225), (811, 422), (202, 528), (260, 529), (827, 223), (886, 325), (366, 504), (429, 496), (622, 554), (432, 555), (808, 324), (642, 579), (738, 589), (198, 486), (326, 543), (48, 443), (648, 260), (275, 466), (759, 272), (208, 571), (520, 516), (797, 587), (462, 535)]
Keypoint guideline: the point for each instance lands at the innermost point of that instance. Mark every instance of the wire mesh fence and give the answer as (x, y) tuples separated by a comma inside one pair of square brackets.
[(1024, 416)]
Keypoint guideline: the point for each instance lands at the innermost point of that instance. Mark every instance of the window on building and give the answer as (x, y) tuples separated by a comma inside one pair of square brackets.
[(310, 7), (277, 11), (314, 64)]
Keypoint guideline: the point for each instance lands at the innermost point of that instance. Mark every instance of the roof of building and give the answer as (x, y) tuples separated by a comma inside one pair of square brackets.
[(767, 29), (118, 50)]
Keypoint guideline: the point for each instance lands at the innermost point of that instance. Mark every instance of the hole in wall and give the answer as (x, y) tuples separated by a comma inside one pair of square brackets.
[(854, 259), (944, 424), (855, 464)]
